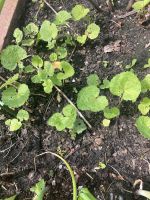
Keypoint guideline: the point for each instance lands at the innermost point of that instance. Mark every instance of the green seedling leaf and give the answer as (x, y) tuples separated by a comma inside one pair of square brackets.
[(62, 17), (92, 31), (146, 83), (37, 61), (53, 57), (51, 44), (85, 194), (27, 42), (79, 126), (144, 106), (18, 35), (11, 198), (143, 126), (79, 12), (39, 190), (15, 98), (82, 39), (140, 5), (48, 68), (23, 115), (111, 113), (11, 56), (147, 65), (93, 79), (105, 84), (132, 64), (14, 124), (31, 30), (89, 99), (101, 165), (68, 71), (126, 85), (106, 122), (48, 86), (10, 81), (61, 52), (48, 31), (64, 120), (29, 69)]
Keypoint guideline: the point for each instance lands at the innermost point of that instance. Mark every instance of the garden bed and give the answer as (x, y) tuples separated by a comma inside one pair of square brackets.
[(120, 146)]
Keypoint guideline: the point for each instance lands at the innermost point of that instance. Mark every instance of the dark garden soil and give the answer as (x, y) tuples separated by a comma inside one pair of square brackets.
[(124, 151)]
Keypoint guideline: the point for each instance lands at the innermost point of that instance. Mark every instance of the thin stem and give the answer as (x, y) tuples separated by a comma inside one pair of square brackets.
[(79, 113), (68, 167)]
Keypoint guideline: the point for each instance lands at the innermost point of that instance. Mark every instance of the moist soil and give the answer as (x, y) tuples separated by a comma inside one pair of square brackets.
[(124, 151)]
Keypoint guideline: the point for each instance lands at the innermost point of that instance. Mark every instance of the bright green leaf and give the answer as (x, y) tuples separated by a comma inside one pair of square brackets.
[(61, 52), (144, 106), (106, 122), (48, 86), (143, 126), (31, 30), (18, 35), (79, 12), (39, 190), (27, 42), (48, 31), (92, 31), (93, 79), (146, 83), (140, 5), (82, 39), (15, 99), (111, 113), (62, 17), (105, 84), (85, 194), (79, 126), (53, 57), (11, 56), (89, 99), (132, 64), (37, 61), (29, 69), (14, 124), (126, 85), (68, 71), (23, 115)]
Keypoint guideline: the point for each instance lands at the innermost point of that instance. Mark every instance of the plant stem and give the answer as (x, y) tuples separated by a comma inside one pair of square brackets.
[(68, 167), (130, 3), (79, 113)]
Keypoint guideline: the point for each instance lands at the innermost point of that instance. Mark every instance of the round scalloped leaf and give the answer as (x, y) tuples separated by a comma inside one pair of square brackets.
[(23, 115), (92, 31), (89, 99), (62, 17), (18, 35), (57, 120), (11, 56), (144, 106), (106, 122), (68, 71), (81, 39), (111, 113), (79, 12), (37, 61), (93, 79), (14, 124), (15, 99), (143, 126), (126, 85), (31, 30), (48, 31)]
